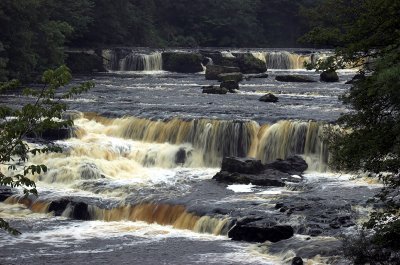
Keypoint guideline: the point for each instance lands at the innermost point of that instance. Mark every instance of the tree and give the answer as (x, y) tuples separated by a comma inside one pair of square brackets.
[(34, 118), (365, 34)]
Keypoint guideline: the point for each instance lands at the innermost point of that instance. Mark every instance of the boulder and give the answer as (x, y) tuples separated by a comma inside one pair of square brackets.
[(269, 98), (294, 78), (249, 64), (214, 90), (230, 77), (180, 156), (236, 170), (212, 71), (355, 79), (268, 177), (329, 76), (84, 62), (294, 165), (242, 165), (260, 231), (79, 210), (182, 62), (230, 85)]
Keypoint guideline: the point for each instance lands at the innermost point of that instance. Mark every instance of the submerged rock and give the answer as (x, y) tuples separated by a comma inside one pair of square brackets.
[(269, 98), (294, 78), (213, 71), (182, 62), (260, 231), (214, 90), (230, 85), (329, 76)]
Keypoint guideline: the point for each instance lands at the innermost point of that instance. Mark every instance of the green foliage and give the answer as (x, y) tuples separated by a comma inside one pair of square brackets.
[(365, 34), (34, 32), (44, 113)]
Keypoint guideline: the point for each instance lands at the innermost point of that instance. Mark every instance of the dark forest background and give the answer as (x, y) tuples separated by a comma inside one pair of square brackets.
[(34, 33)]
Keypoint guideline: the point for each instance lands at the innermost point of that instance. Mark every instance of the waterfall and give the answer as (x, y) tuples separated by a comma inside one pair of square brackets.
[(208, 141), (286, 60), (141, 62), (163, 214)]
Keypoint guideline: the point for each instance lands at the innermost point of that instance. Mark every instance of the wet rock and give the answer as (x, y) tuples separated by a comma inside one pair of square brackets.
[(84, 62), (5, 192), (242, 165), (237, 77), (342, 221), (214, 90), (355, 79), (260, 231), (294, 78), (269, 98), (80, 211), (329, 76), (213, 71), (230, 85), (53, 134), (182, 62), (269, 177), (59, 206), (180, 157), (294, 165), (249, 64), (250, 76), (297, 261)]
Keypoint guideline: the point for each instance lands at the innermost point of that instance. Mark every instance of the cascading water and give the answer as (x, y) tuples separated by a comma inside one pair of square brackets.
[(141, 62)]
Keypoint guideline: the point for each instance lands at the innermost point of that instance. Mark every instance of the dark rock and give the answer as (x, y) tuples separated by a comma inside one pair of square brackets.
[(294, 78), (355, 79), (242, 165), (297, 261), (268, 177), (53, 134), (182, 62), (260, 231), (329, 76), (214, 90), (180, 157), (249, 64), (250, 76), (230, 85), (5, 192), (237, 77), (84, 62), (59, 206), (269, 98), (294, 165), (80, 211), (213, 71)]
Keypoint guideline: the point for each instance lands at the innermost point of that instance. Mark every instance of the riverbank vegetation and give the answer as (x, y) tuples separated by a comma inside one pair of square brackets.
[(366, 35), (34, 33)]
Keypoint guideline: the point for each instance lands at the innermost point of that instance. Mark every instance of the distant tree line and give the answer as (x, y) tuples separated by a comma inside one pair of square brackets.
[(34, 32)]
